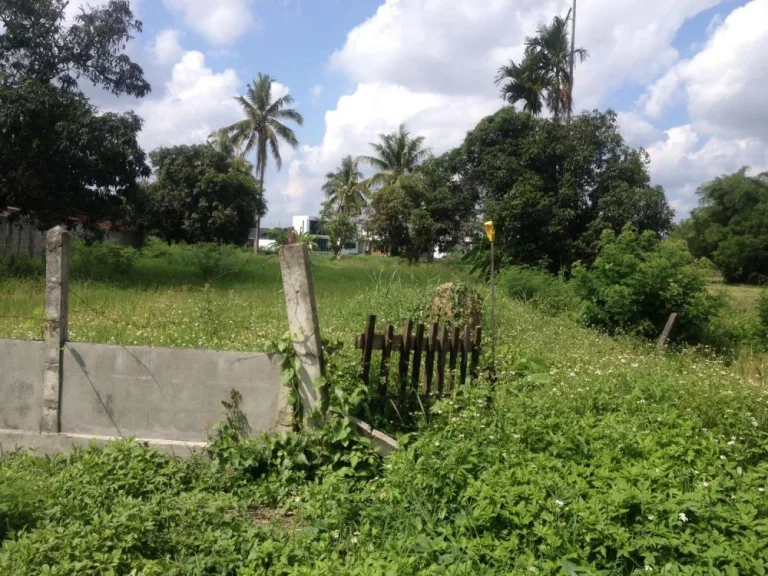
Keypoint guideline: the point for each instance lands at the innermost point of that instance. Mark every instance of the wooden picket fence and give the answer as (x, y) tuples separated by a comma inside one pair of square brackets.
[(448, 354)]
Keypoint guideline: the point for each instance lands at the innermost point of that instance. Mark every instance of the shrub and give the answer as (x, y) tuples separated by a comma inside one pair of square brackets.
[(637, 281), (550, 293), (455, 303), (102, 261)]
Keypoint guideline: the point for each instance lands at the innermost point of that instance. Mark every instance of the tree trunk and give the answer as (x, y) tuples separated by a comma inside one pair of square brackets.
[(258, 214)]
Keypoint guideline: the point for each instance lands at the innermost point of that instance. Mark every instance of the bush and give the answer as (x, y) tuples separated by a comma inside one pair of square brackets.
[(102, 261), (637, 281), (550, 293)]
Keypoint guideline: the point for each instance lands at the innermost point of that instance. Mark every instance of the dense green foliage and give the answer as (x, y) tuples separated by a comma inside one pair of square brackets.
[(341, 230), (730, 227), (552, 188), (422, 211), (198, 197), (539, 288), (591, 450), (637, 281), (59, 158)]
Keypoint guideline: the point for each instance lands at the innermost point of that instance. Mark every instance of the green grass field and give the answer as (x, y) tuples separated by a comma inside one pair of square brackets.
[(231, 301), (587, 454)]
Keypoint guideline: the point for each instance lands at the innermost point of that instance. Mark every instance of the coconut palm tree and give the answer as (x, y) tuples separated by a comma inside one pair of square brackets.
[(345, 188), (545, 71), (263, 128), (397, 154), (223, 141)]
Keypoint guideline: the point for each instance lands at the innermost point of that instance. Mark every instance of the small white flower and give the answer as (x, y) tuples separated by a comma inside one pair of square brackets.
[(354, 540), (559, 502), (531, 568), (706, 484), (731, 442), (722, 457), (761, 489), (599, 372), (682, 517), (648, 568), (739, 471), (297, 499), (356, 533), (651, 517)]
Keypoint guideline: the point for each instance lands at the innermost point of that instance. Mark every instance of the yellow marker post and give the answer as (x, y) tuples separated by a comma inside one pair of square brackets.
[(490, 232)]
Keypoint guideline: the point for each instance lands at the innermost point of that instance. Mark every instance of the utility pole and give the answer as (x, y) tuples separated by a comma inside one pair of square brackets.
[(573, 52)]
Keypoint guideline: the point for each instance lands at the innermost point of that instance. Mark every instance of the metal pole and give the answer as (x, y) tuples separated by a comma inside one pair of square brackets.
[(493, 306), (573, 51)]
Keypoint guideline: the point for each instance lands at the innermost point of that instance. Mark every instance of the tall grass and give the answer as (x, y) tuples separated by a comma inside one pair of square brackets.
[(208, 296)]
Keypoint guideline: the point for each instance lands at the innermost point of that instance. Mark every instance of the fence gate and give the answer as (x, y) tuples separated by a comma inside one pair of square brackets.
[(449, 356)]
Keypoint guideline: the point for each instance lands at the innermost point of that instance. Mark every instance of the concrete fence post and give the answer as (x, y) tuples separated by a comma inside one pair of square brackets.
[(303, 324), (56, 312)]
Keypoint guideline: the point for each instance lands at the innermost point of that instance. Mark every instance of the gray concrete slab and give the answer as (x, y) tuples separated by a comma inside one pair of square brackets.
[(21, 384), (163, 393)]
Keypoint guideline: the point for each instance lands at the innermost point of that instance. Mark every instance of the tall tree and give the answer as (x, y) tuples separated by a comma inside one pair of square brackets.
[(551, 188), (345, 189), (545, 72), (730, 226), (60, 160), (263, 128), (396, 155), (197, 197)]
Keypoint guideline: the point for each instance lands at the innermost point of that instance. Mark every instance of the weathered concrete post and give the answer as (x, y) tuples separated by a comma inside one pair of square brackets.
[(303, 324), (56, 311)]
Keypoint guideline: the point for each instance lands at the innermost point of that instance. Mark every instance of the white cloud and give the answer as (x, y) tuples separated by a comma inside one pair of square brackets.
[(166, 47), (637, 131), (218, 21), (723, 84), (196, 101), (684, 159), (316, 90), (432, 65)]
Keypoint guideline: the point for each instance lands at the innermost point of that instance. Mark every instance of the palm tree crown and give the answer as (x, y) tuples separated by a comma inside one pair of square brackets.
[(263, 127), (397, 154), (223, 141), (345, 188), (544, 72)]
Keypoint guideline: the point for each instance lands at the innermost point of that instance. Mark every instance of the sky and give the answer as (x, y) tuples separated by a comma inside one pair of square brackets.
[(686, 77)]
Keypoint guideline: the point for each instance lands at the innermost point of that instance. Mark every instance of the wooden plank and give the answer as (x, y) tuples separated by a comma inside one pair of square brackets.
[(418, 345), (455, 346), (429, 368), (466, 350), (667, 330), (385, 357), (442, 348), (476, 351), (405, 344), (370, 330)]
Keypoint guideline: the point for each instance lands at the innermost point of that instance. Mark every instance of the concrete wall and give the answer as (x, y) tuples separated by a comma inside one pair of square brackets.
[(21, 384), (20, 239), (167, 393), (170, 395)]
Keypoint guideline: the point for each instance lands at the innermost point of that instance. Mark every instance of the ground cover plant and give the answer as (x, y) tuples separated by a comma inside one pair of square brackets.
[(589, 454)]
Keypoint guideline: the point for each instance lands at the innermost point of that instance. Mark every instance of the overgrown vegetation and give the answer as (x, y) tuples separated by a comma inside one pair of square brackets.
[(590, 451)]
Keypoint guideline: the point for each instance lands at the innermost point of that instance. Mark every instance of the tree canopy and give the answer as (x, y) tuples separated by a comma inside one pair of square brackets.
[(345, 188), (422, 211), (395, 155), (730, 226), (544, 75), (198, 197), (551, 188), (59, 159)]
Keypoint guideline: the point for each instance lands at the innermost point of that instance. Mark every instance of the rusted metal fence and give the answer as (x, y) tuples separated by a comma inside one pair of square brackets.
[(450, 355)]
